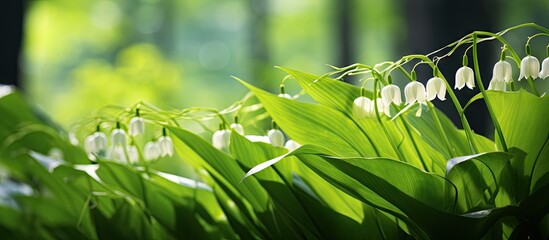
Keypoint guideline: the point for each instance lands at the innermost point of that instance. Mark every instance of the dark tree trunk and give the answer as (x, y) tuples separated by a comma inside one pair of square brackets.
[(259, 33), (433, 24), (11, 19), (344, 32)]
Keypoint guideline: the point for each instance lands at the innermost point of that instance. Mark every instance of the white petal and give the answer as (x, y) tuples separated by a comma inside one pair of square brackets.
[(137, 126), (508, 72), (544, 69), (133, 154), (256, 138), (276, 137), (221, 138), (118, 137), (151, 151), (529, 67), (460, 78), (238, 128), (285, 95), (291, 145), (359, 107), (166, 146), (391, 93)]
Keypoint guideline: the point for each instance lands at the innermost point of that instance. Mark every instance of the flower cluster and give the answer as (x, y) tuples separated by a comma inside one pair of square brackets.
[(222, 137), (364, 107), (96, 145)]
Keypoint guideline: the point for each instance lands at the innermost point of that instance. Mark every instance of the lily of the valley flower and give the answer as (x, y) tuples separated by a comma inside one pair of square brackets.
[(502, 72), (151, 151), (436, 87), (133, 154), (363, 107), (237, 127), (497, 86), (465, 76), (276, 137), (391, 94), (529, 67), (118, 136), (137, 126), (544, 69), (221, 138), (291, 145), (96, 144), (283, 93), (166, 146), (414, 92), (360, 106)]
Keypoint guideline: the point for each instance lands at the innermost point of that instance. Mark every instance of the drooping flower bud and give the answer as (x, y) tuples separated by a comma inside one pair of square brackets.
[(361, 106), (221, 138), (391, 94), (436, 87), (529, 67), (137, 124), (465, 76), (118, 136), (237, 127), (414, 92), (133, 154), (291, 145), (497, 86), (96, 144), (276, 137), (544, 69), (502, 72), (151, 151), (283, 93)]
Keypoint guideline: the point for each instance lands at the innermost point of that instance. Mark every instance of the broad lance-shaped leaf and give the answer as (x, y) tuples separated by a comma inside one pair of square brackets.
[(474, 176), (340, 96), (417, 201), (318, 125), (524, 120)]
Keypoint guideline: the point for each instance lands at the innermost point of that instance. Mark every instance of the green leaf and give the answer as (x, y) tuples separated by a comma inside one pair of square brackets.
[(523, 118)]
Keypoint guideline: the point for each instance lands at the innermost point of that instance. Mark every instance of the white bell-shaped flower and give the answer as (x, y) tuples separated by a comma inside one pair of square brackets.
[(237, 127), (436, 87), (276, 137), (465, 76), (502, 72), (116, 153), (529, 67), (285, 95), (360, 106), (166, 146), (221, 139), (382, 108), (414, 92), (391, 94), (118, 137), (151, 151), (544, 69), (258, 138), (291, 145), (497, 86), (96, 144), (137, 126), (133, 154)]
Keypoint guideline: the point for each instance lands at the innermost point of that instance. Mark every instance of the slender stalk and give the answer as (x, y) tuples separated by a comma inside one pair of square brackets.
[(486, 99), (451, 151)]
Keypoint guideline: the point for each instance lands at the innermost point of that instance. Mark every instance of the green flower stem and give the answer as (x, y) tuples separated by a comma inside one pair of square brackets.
[(409, 132), (459, 108), (485, 96), (532, 86), (378, 117), (432, 109)]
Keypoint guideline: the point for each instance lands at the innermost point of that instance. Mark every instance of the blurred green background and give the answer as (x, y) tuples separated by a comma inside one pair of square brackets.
[(79, 55)]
